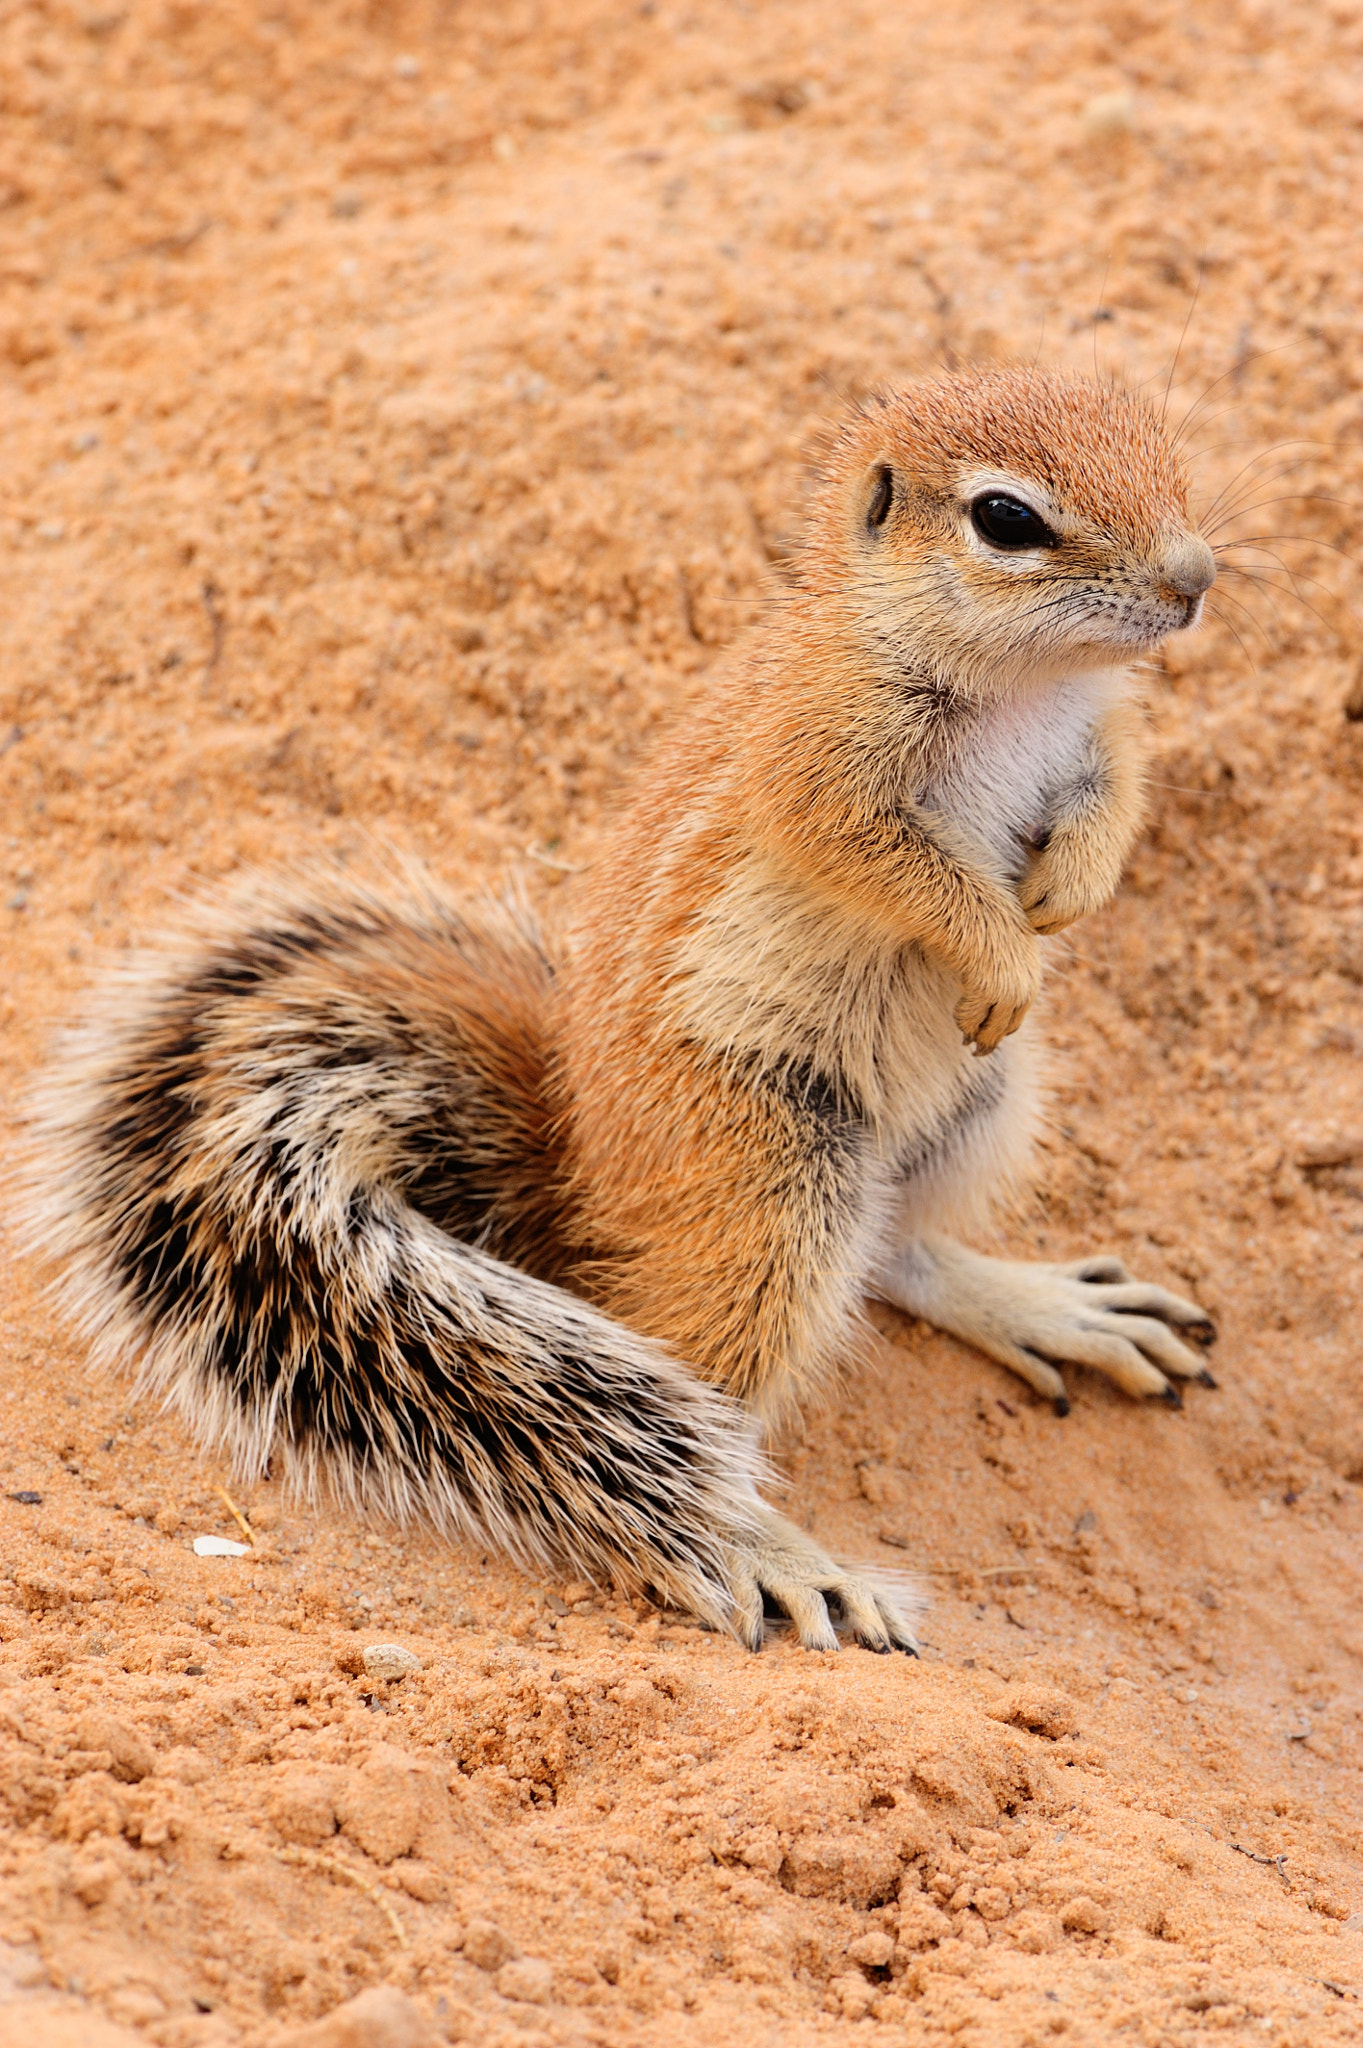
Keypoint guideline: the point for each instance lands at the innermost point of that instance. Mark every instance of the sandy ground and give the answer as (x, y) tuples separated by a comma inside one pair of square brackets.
[(402, 406)]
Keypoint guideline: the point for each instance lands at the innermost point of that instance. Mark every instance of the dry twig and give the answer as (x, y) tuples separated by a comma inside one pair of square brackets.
[(328, 1866), (237, 1516), (1273, 1862)]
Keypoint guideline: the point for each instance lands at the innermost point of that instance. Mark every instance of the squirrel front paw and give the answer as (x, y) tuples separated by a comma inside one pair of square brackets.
[(996, 1000), (1065, 880)]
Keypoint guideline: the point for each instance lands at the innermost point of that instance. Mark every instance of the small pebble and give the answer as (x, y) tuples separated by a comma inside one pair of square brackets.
[(382, 2017), (873, 1951), (528, 1979), (390, 1660), (220, 1546), (486, 1947), (133, 1757), (1109, 117)]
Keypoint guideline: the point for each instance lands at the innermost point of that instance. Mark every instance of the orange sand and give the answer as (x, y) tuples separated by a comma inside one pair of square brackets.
[(402, 404)]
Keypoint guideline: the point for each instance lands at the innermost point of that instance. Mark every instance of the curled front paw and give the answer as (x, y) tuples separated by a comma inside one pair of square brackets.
[(993, 1006), (781, 1567), (1064, 882)]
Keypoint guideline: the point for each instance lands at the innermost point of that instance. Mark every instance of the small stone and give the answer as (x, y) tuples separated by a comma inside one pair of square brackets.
[(1084, 1916), (390, 1660), (486, 1947), (882, 1485), (188, 1765), (1035, 1932), (220, 1546), (921, 1923), (382, 2017), (528, 1978), (1331, 1148), (1109, 117), (1039, 1708), (302, 1804), (94, 1880), (421, 1881), (132, 1754), (135, 2005), (851, 1996), (873, 1951), (40, 1593), (397, 1806)]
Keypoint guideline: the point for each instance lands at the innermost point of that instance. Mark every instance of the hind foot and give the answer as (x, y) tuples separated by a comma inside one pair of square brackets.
[(1034, 1317), (783, 1567)]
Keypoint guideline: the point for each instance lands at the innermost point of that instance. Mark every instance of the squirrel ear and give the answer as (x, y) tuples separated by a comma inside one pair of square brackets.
[(882, 497)]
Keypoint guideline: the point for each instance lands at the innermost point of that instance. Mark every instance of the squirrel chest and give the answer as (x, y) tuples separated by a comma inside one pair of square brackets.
[(1003, 766)]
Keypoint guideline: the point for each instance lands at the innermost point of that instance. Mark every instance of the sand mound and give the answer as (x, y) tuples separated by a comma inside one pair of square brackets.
[(403, 406)]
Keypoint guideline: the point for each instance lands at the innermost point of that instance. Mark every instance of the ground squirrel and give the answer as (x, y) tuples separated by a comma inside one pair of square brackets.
[(530, 1238)]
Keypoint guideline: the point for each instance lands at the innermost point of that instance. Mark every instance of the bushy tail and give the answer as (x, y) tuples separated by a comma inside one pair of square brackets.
[(288, 1169)]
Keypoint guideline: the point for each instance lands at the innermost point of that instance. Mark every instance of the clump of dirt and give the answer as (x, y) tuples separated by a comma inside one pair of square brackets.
[(403, 409)]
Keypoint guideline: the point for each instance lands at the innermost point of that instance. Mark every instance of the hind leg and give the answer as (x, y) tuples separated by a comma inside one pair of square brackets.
[(1031, 1317), (1035, 1317), (743, 1202)]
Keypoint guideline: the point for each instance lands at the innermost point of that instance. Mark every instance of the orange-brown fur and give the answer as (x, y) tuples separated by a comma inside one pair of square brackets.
[(799, 758), (512, 1236)]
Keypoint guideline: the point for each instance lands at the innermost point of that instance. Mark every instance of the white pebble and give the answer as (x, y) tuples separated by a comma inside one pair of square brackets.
[(390, 1660), (220, 1546)]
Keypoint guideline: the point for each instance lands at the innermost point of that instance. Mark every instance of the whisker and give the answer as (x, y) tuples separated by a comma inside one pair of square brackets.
[(1200, 454), (1236, 637), (1188, 321), (1292, 575), (1261, 577), (1102, 295), (1286, 470), (1237, 369), (1307, 540), (1224, 597), (1288, 498)]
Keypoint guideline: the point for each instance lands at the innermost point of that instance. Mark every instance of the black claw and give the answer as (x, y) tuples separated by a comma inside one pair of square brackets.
[(907, 1649), (1201, 1333), (876, 1649), (1171, 1396), (1061, 1404), (1204, 1379)]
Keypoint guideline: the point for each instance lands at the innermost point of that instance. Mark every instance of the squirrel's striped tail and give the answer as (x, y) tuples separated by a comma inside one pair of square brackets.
[(298, 1168)]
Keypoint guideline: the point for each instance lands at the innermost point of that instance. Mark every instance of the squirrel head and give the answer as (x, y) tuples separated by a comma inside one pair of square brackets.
[(1007, 526)]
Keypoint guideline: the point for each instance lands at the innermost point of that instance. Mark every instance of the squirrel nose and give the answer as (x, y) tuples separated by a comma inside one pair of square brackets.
[(1189, 566)]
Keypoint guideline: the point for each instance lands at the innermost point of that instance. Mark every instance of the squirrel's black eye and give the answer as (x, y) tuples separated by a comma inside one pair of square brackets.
[(1008, 523), (878, 511)]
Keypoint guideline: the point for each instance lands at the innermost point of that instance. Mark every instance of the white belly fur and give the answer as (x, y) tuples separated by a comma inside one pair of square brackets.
[(771, 970), (1012, 758)]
